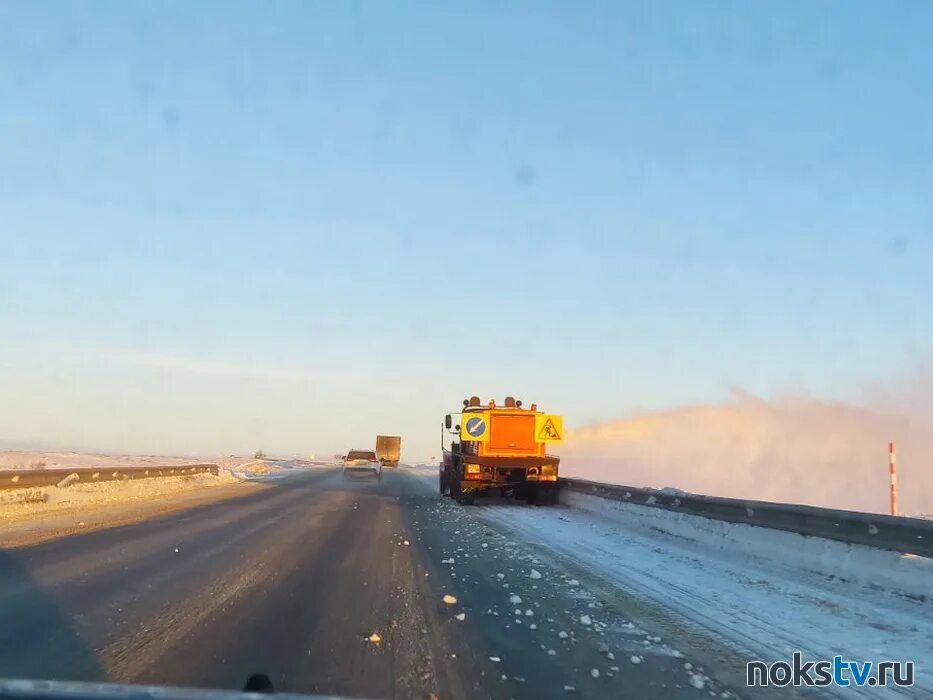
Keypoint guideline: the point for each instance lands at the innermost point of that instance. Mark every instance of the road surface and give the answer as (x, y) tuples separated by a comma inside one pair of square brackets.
[(291, 580)]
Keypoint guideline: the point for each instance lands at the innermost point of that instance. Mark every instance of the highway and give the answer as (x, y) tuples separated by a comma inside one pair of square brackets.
[(293, 580)]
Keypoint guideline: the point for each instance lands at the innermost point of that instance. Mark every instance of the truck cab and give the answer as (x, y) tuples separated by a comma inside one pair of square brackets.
[(502, 448)]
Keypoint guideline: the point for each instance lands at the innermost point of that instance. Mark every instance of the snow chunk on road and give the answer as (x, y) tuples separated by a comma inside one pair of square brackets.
[(515, 600), (586, 620), (495, 659), (697, 681), (535, 574), (595, 673), (635, 659), (461, 616), (449, 599), (562, 634)]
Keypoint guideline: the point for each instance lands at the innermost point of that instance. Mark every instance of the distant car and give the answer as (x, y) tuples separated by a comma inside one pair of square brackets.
[(362, 462)]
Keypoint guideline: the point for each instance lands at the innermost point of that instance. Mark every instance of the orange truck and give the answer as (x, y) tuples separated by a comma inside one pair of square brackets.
[(501, 448)]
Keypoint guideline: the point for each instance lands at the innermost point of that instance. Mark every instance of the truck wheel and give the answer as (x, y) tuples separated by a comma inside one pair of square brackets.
[(442, 483), (531, 494), (466, 499)]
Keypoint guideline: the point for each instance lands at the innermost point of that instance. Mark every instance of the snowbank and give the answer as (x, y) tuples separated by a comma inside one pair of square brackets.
[(23, 504)]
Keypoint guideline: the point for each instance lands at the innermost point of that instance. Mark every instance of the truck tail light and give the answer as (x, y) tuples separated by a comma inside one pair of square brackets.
[(472, 471)]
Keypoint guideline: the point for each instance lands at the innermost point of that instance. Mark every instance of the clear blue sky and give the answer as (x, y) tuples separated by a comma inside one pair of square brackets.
[(295, 225)]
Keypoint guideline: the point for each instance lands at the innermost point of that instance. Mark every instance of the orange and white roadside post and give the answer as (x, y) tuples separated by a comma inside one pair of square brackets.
[(892, 468)]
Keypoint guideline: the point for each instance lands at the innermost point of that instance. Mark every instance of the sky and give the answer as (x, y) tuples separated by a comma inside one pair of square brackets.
[(292, 226)]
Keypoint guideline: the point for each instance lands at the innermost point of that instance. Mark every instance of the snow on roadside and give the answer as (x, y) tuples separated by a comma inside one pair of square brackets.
[(80, 496), (268, 470), (766, 592)]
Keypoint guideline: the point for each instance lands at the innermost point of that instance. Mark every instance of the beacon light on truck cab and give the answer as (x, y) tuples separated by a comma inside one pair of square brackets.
[(503, 448)]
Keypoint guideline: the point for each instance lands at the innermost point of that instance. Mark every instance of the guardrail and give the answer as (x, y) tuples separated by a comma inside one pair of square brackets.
[(898, 534), (32, 478)]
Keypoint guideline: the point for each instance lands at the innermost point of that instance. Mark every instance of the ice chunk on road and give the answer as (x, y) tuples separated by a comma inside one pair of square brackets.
[(515, 600), (532, 626), (461, 616), (595, 673), (374, 638), (529, 613), (573, 582), (551, 652), (535, 574), (635, 659), (562, 634), (586, 620), (495, 659), (500, 576), (697, 681), (449, 599)]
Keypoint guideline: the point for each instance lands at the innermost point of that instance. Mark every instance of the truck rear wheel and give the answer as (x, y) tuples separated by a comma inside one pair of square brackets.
[(442, 481), (541, 495)]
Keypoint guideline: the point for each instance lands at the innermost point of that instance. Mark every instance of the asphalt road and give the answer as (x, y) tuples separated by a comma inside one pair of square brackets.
[(292, 580)]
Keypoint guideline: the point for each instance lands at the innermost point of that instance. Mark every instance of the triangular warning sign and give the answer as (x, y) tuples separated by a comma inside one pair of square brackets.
[(548, 431)]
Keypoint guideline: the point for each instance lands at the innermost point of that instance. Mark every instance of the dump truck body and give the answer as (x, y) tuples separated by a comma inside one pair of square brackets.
[(389, 449)]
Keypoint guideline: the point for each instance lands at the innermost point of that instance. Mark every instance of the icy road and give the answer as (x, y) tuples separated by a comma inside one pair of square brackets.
[(383, 590)]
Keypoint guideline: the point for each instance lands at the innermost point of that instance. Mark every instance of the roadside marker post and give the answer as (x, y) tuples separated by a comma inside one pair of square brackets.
[(892, 470)]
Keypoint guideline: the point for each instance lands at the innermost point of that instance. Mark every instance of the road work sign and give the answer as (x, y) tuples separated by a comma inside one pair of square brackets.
[(549, 428), (475, 428)]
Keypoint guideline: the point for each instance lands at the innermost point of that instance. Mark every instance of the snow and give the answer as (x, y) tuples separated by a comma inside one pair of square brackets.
[(29, 504), (535, 574), (764, 592)]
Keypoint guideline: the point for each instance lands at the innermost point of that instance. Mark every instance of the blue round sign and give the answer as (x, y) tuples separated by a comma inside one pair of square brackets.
[(476, 427)]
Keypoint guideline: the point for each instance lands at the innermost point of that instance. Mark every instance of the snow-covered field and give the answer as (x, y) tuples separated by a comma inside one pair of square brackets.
[(80, 460), (763, 592)]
